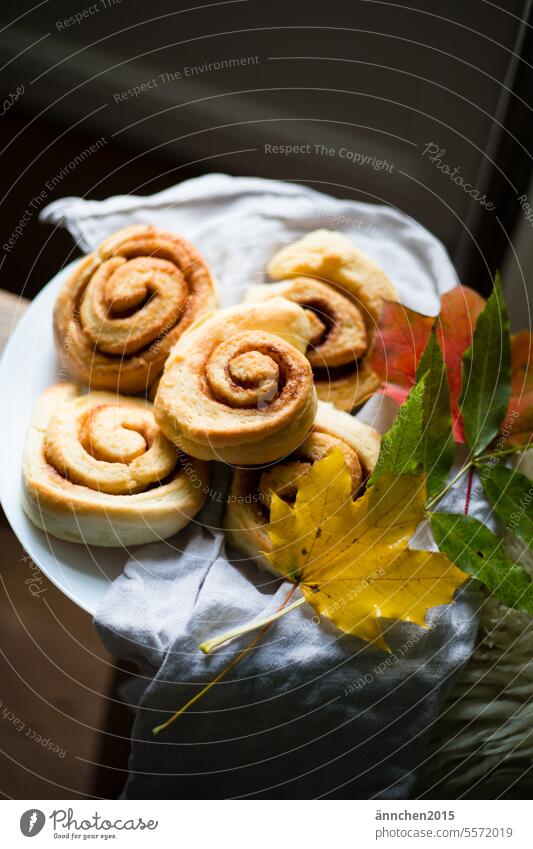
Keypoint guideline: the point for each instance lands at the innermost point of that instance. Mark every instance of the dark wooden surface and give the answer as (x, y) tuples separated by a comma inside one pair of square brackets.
[(55, 676)]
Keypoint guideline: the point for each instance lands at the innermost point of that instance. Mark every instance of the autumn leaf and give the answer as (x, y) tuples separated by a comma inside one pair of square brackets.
[(352, 559), (511, 496), (486, 381), (401, 450), (437, 448), (420, 439), (402, 338), (519, 418), (460, 309), (480, 553)]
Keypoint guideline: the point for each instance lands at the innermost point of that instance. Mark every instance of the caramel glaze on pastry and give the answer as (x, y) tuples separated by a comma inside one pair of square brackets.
[(126, 304), (248, 508), (344, 291), (98, 470), (237, 387)]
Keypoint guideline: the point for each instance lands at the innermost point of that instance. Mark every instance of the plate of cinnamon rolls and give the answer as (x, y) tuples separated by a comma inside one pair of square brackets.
[(128, 381)]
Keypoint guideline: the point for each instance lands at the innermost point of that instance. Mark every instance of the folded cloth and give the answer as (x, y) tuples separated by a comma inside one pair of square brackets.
[(238, 223), (308, 712)]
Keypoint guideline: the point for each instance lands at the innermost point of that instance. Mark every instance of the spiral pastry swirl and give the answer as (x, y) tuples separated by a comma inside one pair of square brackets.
[(98, 470), (126, 304), (248, 509), (344, 291), (237, 387)]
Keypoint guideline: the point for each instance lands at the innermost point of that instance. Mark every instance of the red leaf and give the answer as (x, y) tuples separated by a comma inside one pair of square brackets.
[(402, 336), (400, 340), (519, 418), (459, 310)]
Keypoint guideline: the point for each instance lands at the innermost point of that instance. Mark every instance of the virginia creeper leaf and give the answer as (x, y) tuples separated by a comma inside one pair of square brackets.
[(511, 495), (486, 385), (437, 447), (351, 558), (460, 308), (399, 343), (476, 550), (401, 449), (403, 334)]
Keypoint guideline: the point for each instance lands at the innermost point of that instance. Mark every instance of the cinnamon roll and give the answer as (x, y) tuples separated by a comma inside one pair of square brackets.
[(126, 304), (248, 509), (237, 386), (98, 470), (344, 291)]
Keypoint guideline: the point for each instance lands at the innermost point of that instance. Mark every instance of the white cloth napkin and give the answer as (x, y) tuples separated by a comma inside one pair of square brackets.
[(309, 712)]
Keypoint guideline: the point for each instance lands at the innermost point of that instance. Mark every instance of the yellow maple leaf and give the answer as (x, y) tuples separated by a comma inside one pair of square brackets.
[(352, 559)]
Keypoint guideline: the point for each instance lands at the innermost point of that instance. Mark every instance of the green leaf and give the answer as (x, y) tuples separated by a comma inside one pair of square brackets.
[(437, 441), (486, 386), (511, 495), (476, 550), (401, 445)]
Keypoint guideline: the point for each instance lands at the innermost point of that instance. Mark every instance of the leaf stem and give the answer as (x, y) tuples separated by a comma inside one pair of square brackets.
[(516, 449), (467, 466), (436, 498), (225, 670), (206, 689), (215, 642)]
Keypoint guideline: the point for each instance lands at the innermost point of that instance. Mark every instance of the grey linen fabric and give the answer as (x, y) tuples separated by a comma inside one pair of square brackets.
[(308, 712)]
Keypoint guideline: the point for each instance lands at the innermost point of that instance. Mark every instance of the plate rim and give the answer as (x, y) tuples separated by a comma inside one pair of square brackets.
[(26, 542)]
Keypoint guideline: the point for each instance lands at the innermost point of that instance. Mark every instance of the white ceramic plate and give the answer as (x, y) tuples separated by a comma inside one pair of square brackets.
[(210, 210), (29, 366)]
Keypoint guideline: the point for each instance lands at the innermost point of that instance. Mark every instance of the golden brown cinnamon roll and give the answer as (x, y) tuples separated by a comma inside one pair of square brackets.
[(344, 291), (98, 470), (126, 304), (248, 508), (237, 386)]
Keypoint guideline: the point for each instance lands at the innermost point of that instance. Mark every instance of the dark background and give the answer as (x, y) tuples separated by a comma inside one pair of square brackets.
[(380, 78), (377, 77)]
